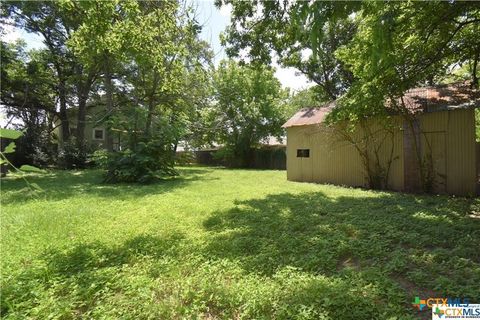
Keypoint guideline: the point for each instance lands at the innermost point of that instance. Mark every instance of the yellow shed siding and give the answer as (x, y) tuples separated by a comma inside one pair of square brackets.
[(461, 157), (450, 134), (333, 160)]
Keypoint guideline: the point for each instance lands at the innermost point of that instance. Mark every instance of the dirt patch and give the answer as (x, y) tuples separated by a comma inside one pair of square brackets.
[(413, 291), (348, 262)]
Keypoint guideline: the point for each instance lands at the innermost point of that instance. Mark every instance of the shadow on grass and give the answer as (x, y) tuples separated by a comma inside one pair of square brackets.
[(61, 185), (82, 272), (424, 245)]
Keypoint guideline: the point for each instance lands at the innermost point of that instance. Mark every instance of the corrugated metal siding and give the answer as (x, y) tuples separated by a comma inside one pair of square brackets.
[(460, 148), (452, 138), (332, 160)]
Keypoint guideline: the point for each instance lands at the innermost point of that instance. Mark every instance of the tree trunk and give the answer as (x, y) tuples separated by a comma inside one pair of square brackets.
[(151, 104), (109, 96), (65, 128), (82, 106), (474, 69), (148, 125), (83, 90)]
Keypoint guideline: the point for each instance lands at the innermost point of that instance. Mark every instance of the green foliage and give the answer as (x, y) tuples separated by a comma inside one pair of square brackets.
[(149, 161), (293, 31), (28, 168), (5, 163), (27, 82), (99, 158), (401, 45), (248, 107), (72, 157), (364, 52), (305, 98), (184, 158), (10, 148), (155, 70), (10, 133), (261, 248)]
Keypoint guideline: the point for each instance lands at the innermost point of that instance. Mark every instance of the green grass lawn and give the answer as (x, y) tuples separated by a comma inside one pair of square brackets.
[(230, 244)]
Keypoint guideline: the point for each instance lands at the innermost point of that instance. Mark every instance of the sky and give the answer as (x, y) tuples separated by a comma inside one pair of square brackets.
[(213, 20)]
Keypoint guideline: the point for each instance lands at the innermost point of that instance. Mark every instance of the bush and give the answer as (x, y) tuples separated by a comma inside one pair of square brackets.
[(150, 161), (184, 158), (227, 156), (72, 157), (34, 148), (99, 158)]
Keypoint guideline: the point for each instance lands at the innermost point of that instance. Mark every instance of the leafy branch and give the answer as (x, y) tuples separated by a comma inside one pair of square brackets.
[(10, 148)]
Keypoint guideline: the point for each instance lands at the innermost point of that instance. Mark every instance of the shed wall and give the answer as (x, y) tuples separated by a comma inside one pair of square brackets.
[(449, 135), (460, 157), (334, 160)]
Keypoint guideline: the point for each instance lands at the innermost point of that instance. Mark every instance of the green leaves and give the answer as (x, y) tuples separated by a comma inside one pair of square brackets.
[(10, 148), (10, 134), (150, 161), (402, 45), (248, 108), (304, 35), (371, 49), (29, 168)]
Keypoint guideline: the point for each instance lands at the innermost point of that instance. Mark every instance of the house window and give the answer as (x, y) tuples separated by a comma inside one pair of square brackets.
[(303, 153), (98, 134)]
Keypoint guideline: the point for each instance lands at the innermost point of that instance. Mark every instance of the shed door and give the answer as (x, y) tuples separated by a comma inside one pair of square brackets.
[(434, 152)]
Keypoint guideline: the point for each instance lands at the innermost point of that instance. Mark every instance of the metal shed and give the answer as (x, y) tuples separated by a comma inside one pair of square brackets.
[(445, 126)]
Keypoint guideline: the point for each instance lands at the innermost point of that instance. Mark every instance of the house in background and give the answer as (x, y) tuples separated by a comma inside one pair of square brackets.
[(445, 127), (95, 129)]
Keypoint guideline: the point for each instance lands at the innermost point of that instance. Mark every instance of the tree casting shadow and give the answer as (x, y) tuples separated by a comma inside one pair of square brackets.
[(418, 243), (86, 269), (61, 185)]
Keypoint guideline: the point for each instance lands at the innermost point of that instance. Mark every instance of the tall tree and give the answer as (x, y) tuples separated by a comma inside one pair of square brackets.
[(56, 22), (403, 45), (28, 98), (247, 108), (287, 31)]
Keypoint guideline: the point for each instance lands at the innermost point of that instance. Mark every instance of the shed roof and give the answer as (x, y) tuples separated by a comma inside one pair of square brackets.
[(424, 99), (312, 115), (441, 98)]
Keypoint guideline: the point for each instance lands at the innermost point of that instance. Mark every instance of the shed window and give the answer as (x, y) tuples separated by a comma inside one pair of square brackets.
[(303, 153), (98, 134)]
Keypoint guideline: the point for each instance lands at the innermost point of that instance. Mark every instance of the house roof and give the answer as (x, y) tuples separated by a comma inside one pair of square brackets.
[(424, 99)]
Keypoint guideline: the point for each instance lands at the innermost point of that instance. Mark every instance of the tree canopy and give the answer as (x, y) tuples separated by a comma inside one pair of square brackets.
[(364, 52), (144, 64), (247, 108)]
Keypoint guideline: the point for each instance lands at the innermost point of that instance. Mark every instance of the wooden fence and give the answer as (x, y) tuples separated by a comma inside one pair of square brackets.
[(262, 158)]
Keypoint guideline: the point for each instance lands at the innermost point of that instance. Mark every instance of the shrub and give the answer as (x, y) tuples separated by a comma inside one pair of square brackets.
[(184, 158), (72, 157), (99, 158), (149, 161)]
